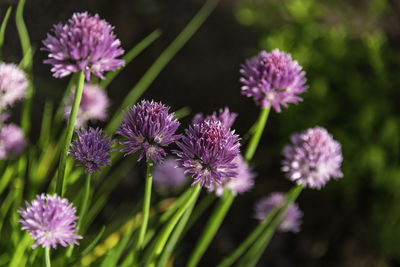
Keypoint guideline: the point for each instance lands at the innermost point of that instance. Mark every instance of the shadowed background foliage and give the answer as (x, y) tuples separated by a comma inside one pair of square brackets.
[(350, 51)]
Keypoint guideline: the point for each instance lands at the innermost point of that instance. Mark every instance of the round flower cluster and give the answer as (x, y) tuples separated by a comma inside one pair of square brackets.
[(13, 85), (12, 141), (50, 220), (207, 152), (91, 149), (273, 79), (86, 43), (312, 158), (148, 127), (291, 220)]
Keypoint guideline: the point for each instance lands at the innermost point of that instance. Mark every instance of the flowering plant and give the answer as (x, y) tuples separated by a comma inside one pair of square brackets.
[(209, 154)]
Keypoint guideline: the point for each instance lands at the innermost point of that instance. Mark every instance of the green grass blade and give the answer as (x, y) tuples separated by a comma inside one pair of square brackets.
[(128, 57), (114, 255), (23, 36), (3, 30), (27, 55), (94, 242), (162, 61), (45, 130)]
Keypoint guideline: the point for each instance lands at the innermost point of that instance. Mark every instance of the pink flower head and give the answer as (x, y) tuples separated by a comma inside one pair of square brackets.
[(312, 158), (273, 79), (85, 43)]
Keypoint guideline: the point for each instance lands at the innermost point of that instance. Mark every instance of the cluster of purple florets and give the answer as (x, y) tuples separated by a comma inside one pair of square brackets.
[(13, 87), (86, 43), (50, 220), (91, 149), (273, 79), (148, 128), (313, 158)]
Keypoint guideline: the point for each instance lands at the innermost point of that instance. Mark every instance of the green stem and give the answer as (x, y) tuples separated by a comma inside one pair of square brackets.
[(262, 120), (85, 201), (228, 261), (3, 29), (211, 228), (171, 224), (83, 210), (47, 257), (256, 251), (146, 206), (175, 236), (69, 133)]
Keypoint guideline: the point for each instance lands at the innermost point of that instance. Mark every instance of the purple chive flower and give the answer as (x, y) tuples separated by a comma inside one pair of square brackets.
[(167, 175), (224, 115), (148, 127), (91, 149), (242, 182), (85, 43), (13, 84), (273, 79), (291, 220), (12, 141), (312, 158), (50, 220), (93, 106), (207, 152)]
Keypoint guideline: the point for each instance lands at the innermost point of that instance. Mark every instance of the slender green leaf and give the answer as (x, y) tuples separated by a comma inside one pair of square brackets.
[(27, 55), (45, 130), (23, 36), (128, 57), (3, 30), (114, 255), (94, 242)]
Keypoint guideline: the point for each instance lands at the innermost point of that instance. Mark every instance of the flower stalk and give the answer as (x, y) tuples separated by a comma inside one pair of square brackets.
[(171, 225), (262, 120), (212, 227), (47, 257), (146, 205), (69, 133)]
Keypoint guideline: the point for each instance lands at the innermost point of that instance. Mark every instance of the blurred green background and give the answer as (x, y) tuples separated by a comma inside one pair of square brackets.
[(350, 51)]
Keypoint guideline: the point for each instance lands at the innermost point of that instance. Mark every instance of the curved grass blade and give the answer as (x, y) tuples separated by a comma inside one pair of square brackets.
[(94, 242), (3, 30), (128, 57), (27, 54)]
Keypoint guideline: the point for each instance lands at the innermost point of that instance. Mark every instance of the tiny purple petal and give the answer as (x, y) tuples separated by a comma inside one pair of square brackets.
[(291, 220), (242, 182), (273, 79), (93, 106), (86, 43), (207, 152), (312, 158), (91, 149), (13, 84), (50, 220), (148, 128), (12, 141), (167, 175)]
